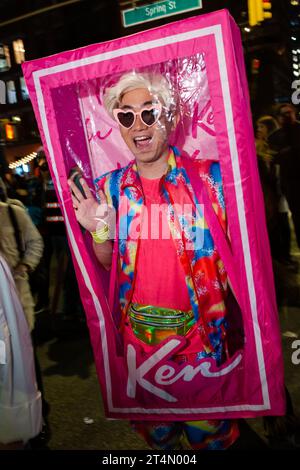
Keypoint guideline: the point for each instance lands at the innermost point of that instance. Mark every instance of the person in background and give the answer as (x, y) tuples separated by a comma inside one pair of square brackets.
[(281, 431), (4, 196), (56, 247), (265, 126), (20, 400), (286, 142), (275, 202), (53, 232), (22, 246)]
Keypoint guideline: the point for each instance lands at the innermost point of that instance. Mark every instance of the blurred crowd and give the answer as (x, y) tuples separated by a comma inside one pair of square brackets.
[(36, 195), (37, 268), (278, 154)]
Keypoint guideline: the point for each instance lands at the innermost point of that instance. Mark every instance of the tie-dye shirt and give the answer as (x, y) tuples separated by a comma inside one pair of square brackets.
[(165, 284), (205, 275)]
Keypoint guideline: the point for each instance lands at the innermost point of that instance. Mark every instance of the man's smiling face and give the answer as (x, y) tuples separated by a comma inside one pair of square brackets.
[(147, 144)]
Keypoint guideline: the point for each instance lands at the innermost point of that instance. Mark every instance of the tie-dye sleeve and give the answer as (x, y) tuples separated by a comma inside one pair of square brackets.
[(210, 173), (102, 183)]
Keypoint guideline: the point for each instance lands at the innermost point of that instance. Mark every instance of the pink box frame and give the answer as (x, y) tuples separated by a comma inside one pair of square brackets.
[(217, 36)]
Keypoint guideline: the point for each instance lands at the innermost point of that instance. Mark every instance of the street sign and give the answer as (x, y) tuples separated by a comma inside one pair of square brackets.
[(158, 10)]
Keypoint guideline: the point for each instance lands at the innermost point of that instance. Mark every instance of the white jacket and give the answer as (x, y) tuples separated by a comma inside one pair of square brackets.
[(20, 401)]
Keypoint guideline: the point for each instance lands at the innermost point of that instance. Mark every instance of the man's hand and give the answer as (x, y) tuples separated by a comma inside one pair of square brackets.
[(89, 213)]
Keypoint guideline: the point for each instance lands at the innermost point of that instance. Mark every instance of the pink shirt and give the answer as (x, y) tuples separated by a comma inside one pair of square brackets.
[(160, 279)]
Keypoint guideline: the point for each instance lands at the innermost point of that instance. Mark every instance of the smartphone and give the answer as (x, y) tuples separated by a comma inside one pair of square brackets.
[(76, 180), (79, 186)]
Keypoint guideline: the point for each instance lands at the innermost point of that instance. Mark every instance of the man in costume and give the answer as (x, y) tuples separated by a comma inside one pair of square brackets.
[(169, 283)]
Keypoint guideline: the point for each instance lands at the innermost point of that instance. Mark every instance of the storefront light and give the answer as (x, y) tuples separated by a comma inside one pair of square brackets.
[(19, 51), (23, 161), (10, 132)]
